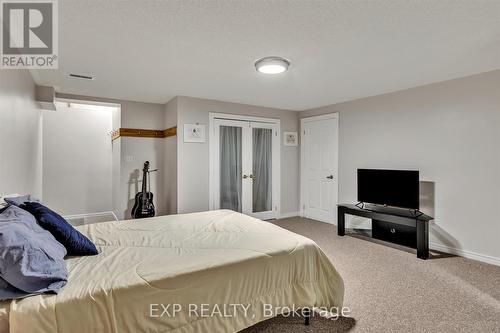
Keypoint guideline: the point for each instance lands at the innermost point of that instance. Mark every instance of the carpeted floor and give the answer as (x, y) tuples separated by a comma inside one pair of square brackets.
[(390, 290)]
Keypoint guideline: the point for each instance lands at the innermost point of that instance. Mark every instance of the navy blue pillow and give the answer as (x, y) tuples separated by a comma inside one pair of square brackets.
[(75, 243)]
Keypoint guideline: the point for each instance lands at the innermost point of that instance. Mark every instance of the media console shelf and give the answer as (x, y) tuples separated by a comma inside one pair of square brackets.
[(396, 222)]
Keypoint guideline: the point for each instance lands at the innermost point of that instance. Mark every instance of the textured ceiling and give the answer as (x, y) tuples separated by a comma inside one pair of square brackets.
[(339, 50)]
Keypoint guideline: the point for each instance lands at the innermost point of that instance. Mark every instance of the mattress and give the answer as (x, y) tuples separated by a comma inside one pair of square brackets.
[(4, 316), (216, 271)]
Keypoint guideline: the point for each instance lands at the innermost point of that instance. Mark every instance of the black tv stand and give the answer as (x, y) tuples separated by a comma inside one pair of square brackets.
[(396, 211), (413, 225)]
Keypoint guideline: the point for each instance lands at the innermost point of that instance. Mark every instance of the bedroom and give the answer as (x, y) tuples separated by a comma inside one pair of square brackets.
[(248, 233)]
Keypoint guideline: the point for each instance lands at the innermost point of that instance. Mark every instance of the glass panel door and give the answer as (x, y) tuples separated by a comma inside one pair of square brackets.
[(262, 170), (245, 166), (230, 168)]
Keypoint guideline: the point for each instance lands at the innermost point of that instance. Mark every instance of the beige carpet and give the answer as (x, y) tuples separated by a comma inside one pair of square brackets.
[(390, 290)]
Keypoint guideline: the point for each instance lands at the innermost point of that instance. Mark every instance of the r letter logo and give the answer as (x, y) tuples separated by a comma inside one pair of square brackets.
[(29, 34)]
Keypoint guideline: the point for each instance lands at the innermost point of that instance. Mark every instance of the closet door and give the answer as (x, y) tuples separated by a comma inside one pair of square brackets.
[(265, 161), (245, 167), (229, 162)]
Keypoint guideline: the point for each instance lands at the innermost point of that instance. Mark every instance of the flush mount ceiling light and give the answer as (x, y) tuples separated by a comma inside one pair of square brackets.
[(272, 65)]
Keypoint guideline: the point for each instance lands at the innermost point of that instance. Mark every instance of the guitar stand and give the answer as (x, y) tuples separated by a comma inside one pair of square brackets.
[(149, 178)]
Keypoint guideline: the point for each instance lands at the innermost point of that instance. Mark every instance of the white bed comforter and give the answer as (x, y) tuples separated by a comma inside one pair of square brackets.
[(219, 258)]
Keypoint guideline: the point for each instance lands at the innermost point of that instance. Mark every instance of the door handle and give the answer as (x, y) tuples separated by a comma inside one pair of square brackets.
[(329, 177), (245, 176)]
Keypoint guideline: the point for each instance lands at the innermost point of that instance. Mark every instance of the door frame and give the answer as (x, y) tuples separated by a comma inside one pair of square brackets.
[(302, 207), (213, 177)]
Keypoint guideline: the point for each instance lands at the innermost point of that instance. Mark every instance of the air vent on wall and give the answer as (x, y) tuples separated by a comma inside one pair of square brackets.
[(81, 76)]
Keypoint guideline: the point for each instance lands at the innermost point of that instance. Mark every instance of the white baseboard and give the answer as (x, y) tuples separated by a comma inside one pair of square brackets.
[(289, 214), (332, 222), (90, 215), (466, 254), (325, 221)]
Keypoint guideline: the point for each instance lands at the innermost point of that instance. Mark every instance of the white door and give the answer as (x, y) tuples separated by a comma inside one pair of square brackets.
[(263, 189), (229, 164), (245, 161), (319, 167)]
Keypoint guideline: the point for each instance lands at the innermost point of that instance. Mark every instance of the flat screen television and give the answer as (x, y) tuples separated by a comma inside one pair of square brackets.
[(397, 188)]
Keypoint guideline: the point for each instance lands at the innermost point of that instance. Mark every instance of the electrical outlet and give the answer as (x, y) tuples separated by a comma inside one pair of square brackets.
[(129, 158)]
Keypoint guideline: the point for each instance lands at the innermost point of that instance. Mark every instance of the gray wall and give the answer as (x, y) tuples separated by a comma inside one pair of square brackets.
[(181, 184), (77, 161), (133, 152), (193, 160), (148, 116), (20, 134), (170, 159), (115, 164), (450, 131)]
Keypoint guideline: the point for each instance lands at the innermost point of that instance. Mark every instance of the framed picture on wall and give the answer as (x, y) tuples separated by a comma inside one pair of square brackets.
[(194, 133), (290, 138)]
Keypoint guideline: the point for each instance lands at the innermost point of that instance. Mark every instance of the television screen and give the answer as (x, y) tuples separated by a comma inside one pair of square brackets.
[(398, 188)]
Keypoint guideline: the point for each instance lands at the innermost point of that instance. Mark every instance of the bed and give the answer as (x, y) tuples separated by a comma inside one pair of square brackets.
[(209, 260)]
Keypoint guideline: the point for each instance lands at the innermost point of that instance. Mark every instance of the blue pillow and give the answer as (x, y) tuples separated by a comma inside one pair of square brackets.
[(8, 291), (75, 243), (19, 200), (31, 260)]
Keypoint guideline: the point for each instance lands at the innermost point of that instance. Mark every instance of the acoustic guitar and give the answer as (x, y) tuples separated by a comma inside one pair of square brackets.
[(143, 206)]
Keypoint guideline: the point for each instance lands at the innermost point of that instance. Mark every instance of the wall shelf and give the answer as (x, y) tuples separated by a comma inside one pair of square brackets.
[(143, 133)]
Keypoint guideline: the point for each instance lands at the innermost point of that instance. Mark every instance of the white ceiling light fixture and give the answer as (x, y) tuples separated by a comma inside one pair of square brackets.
[(272, 65)]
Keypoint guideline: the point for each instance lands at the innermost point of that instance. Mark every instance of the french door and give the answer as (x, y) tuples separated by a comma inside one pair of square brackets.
[(245, 167)]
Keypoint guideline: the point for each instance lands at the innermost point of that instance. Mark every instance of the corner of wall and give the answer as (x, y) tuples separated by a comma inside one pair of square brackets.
[(171, 157)]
